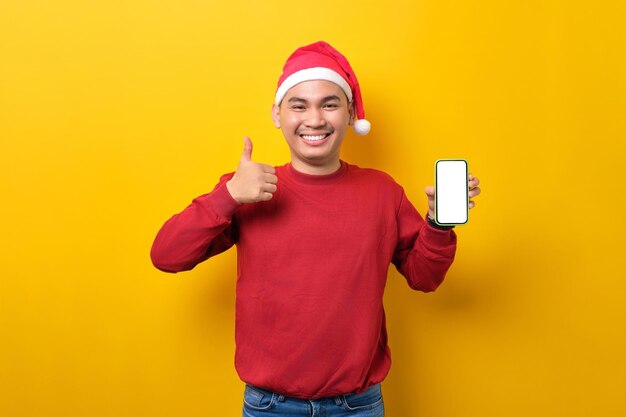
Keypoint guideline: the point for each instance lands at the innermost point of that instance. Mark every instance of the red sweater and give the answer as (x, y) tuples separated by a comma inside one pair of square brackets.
[(312, 265)]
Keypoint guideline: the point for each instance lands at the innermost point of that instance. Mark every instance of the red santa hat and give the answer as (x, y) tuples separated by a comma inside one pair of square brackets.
[(320, 61)]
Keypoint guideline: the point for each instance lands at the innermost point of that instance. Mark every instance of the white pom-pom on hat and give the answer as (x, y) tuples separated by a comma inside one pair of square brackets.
[(362, 127)]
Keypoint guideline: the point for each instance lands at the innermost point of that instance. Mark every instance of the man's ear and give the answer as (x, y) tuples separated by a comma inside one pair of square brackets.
[(276, 115), (352, 112)]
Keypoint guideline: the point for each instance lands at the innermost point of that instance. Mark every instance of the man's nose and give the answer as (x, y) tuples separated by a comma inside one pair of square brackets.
[(315, 118)]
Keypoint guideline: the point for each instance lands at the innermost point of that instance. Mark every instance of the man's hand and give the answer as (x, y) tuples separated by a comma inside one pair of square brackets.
[(473, 192), (252, 182)]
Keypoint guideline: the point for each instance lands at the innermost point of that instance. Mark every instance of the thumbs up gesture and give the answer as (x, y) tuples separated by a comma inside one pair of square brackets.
[(252, 182)]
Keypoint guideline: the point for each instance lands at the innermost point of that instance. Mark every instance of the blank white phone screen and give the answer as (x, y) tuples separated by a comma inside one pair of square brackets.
[(451, 192)]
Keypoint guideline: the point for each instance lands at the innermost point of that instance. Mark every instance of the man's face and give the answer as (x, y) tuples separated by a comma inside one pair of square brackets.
[(314, 116)]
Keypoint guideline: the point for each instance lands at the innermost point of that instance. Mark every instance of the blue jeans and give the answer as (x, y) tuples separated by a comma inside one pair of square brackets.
[(261, 403)]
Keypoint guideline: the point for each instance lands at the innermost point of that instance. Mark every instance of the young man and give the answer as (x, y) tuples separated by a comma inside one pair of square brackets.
[(315, 238)]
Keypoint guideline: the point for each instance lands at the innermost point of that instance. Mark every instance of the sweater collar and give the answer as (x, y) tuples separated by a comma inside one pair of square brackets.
[(316, 179)]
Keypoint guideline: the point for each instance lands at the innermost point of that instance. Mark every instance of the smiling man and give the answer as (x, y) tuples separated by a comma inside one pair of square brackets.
[(315, 238)]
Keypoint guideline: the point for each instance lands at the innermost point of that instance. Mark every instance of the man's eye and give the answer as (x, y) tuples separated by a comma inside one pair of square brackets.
[(297, 107), (331, 106)]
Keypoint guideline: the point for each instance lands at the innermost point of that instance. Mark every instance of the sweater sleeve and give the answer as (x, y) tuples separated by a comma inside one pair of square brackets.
[(423, 254), (204, 229)]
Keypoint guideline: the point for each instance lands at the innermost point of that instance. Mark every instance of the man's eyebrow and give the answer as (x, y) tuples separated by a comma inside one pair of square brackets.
[(327, 98)]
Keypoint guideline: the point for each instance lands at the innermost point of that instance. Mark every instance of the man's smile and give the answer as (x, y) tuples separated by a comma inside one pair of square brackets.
[(317, 139)]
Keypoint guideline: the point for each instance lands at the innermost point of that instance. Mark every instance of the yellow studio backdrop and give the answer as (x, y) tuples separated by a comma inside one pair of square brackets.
[(114, 115)]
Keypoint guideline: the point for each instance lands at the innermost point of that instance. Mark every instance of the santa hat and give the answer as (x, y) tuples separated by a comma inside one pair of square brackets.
[(320, 61)]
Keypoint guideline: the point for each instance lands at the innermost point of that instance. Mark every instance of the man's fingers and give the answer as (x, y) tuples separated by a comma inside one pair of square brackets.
[(268, 169), (270, 188), (474, 190), (271, 178), (430, 190), (247, 149), (473, 183)]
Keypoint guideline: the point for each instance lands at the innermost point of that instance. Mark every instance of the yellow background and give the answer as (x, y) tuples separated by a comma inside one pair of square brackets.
[(115, 114)]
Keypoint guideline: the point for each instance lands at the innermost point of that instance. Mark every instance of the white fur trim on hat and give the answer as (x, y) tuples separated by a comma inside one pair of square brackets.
[(308, 74)]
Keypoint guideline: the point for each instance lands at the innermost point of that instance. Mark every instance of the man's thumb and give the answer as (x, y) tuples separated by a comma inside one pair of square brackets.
[(247, 149)]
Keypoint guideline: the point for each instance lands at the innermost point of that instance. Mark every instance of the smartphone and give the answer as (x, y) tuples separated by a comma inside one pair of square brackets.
[(451, 192)]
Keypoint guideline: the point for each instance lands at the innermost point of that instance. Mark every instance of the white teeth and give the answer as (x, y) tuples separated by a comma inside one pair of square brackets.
[(313, 138)]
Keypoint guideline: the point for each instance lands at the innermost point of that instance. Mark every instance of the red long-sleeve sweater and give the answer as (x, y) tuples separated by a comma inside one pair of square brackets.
[(312, 265)]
